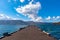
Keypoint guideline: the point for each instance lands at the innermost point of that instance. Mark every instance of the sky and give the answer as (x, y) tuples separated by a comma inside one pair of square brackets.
[(30, 10)]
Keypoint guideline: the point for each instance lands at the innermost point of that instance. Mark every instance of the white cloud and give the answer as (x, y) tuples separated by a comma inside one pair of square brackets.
[(39, 19), (31, 2), (53, 18), (5, 17), (30, 10), (22, 1), (48, 18), (31, 16), (1, 16), (58, 17)]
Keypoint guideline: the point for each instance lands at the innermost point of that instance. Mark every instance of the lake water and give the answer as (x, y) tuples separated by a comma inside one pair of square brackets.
[(10, 28), (54, 30)]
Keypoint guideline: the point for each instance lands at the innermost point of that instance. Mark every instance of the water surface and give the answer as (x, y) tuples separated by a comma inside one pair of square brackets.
[(10, 28), (54, 30)]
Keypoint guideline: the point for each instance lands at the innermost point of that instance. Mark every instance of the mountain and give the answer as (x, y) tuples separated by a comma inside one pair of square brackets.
[(12, 22), (20, 22)]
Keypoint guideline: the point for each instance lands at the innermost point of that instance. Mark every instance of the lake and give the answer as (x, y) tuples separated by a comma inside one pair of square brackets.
[(10, 28), (53, 30)]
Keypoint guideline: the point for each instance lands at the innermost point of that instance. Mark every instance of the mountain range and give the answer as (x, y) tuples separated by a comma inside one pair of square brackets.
[(20, 22)]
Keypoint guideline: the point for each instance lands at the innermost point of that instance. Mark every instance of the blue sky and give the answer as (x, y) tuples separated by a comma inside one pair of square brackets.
[(46, 11)]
